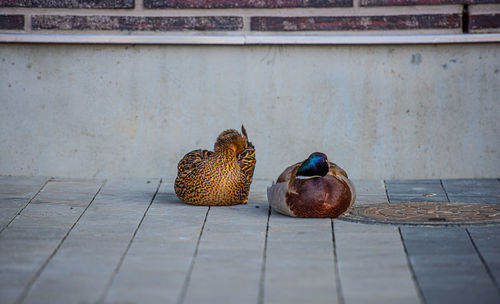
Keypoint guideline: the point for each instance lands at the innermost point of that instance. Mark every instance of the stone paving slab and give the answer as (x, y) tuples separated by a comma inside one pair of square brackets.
[(15, 193), (473, 190), (75, 242), (31, 239), (415, 191), (86, 260), (300, 264), (228, 264), (372, 262), (370, 192), (157, 264), (487, 242), (447, 266)]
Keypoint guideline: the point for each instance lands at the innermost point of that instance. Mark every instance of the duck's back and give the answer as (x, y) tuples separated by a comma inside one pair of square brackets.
[(216, 178)]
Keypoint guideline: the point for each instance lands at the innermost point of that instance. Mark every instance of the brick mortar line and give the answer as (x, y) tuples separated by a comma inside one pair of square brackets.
[(122, 258), (349, 11), (246, 24), (484, 9), (26, 205), (37, 274), (139, 5), (187, 280)]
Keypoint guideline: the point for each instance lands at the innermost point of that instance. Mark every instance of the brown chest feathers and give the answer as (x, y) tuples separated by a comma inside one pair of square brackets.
[(218, 178)]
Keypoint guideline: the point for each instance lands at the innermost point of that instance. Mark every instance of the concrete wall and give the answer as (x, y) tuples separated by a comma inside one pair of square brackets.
[(378, 111)]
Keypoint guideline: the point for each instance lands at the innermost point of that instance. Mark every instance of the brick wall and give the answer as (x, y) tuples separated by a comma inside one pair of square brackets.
[(261, 17)]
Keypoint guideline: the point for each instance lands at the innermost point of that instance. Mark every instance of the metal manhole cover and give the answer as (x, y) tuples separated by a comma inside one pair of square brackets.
[(426, 213)]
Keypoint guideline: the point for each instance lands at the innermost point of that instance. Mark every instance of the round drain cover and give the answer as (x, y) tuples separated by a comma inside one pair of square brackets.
[(425, 213)]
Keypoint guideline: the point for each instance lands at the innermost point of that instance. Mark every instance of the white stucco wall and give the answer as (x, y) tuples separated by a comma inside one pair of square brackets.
[(417, 111)]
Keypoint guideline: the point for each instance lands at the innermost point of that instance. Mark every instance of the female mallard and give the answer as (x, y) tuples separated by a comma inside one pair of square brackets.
[(314, 187), (218, 178)]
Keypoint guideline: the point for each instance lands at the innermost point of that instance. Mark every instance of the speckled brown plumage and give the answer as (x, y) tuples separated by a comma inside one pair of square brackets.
[(218, 178)]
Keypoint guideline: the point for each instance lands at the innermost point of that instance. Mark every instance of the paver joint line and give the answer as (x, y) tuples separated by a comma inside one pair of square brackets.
[(386, 192), (340, 294), (444, 189), (264, 256), (483, 261), (412, 271), (108, 285), (46, 262), (183, 293), (26, 205)]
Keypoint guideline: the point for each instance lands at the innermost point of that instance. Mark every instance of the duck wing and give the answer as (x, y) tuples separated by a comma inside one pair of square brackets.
[(287, 174), (191, 161), (246, 159), (336, 170)]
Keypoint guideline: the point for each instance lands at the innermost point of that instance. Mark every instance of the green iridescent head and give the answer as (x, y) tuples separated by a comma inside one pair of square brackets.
[(315, 164)]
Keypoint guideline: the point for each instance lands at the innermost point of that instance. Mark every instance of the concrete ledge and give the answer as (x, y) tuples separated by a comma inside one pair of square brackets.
[(248, 39)]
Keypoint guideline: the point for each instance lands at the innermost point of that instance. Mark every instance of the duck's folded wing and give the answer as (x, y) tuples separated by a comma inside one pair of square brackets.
[(276, 196), (336, 170), (287, 174), (246, 160), (191, 160)]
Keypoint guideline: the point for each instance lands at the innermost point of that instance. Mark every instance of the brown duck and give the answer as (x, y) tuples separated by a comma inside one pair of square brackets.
[(314, 187), (218, 178)]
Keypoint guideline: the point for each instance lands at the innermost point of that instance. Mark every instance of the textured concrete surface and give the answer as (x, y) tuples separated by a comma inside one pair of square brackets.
[(417, 111), (133, 241)]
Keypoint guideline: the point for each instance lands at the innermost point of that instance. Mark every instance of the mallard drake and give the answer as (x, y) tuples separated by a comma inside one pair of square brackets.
[(218, 178), (314, 187)]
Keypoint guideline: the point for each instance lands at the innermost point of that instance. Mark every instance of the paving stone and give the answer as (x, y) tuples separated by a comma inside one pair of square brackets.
[(34, 234), (369, 192), (487, 241), (426, 197), (372, 261), (473, 190), (228, 265), (299, 261), (370, 199), (15, 193), (369, 187), (87, 259), (158, 261), (417, 187), (475, 199), (412, 181), (415, 191), (447, 267)]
